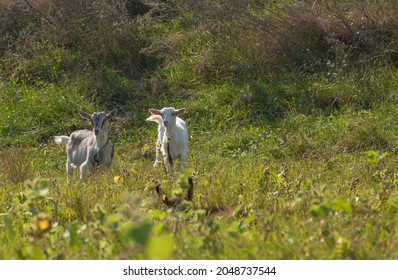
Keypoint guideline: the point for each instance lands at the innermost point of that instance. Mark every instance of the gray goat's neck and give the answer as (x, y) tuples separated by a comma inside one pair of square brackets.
[(102, 139)]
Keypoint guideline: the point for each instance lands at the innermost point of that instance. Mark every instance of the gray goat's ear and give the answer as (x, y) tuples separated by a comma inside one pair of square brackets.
[(111, 114), (85, 115)]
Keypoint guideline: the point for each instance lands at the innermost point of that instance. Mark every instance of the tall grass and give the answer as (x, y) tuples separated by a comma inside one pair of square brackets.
[(14, 163), (279, 199), (252, 36)]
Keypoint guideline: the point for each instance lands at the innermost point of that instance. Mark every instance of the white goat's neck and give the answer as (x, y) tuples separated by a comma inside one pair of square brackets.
[(169, 132)]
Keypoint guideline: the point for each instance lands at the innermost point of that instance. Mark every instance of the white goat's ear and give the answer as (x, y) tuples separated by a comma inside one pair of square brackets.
[(85, 115), (180, 111), (111, 114), (155, 112)]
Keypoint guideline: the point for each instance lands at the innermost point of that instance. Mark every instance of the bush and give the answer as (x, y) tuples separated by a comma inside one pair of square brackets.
[(256, 36), (99, 32), (93, 45)]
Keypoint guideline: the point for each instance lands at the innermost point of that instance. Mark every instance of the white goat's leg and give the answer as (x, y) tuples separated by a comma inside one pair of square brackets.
[(158, 155), (183, 161), (169, 166), (168, 161)]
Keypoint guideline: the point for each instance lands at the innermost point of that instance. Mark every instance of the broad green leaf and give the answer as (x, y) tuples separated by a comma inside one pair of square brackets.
[(342, 205), (158, 214), (234, 230), (138, 233), (75, 241), (160, 247)]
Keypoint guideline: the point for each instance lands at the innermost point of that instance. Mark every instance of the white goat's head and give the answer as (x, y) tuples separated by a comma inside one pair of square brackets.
[(168, 114), (98, 120)]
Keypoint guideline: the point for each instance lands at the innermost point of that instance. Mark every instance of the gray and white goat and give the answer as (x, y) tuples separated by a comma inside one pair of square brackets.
[(87, 149), (172, 142)]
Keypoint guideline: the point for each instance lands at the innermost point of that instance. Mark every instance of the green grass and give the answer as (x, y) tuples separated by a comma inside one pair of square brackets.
[(302, 188)]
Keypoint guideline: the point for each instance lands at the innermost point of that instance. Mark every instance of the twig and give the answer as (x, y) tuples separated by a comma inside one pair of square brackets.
[(41, 14)]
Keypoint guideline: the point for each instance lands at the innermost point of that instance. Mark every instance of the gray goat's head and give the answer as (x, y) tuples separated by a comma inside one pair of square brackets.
[(98, 120)]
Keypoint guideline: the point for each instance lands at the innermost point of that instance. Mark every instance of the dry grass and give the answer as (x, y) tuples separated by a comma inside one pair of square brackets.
[(254, 36), (14, 165)]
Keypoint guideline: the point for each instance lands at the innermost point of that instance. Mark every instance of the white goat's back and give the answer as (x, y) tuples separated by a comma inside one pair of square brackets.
[(180, 139), (181, 123)]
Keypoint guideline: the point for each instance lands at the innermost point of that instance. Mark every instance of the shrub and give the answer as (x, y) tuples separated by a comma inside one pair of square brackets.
[(100, 32), (256, 36)]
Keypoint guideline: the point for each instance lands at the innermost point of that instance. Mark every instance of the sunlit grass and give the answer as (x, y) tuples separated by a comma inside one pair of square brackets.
[(307, 185), (307, 201)]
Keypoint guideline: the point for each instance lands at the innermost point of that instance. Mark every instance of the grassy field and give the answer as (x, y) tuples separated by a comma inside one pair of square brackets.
[(292, 149)]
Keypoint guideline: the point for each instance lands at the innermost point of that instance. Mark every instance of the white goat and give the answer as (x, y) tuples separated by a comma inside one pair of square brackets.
[(87, 149), (172, 140)]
